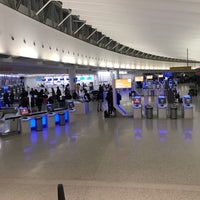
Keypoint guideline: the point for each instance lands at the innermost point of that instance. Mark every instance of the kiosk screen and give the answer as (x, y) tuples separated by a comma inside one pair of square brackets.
[(24, 111)]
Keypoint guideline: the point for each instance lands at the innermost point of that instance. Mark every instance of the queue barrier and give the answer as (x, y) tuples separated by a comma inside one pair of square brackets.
[(35, 121)]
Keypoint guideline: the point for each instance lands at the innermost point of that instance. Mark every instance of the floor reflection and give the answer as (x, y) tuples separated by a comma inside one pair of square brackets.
[(173, 124), (187, 128), (162, 129), (137, 130), (149, 124)]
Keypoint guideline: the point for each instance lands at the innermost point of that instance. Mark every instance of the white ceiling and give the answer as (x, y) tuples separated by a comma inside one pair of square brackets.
[(161, 27)]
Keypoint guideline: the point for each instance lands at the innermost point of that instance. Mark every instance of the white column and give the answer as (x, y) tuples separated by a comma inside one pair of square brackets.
[(117, 73), (72, 76)]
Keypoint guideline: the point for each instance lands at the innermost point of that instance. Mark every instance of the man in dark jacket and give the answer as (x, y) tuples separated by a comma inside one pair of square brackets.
[(100, 98), (109, 99)]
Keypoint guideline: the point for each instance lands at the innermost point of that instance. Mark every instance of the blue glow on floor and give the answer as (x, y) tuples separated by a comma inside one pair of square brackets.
[(34, 137)]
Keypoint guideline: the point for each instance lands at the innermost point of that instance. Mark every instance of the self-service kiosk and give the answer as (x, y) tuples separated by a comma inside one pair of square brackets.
[(24, 120), (162, 107), (137, 107), (187, 107)]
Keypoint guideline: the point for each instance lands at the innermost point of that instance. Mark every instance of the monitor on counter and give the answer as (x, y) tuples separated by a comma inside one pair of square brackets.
[(137, 100), (123, 83), (24, 111), (149, 77), (162, 100), (70, 104), (50, 108), (139, 78), (187, 100)]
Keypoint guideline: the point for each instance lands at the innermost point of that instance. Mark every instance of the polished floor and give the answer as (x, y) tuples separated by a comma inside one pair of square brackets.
[(103, 159)]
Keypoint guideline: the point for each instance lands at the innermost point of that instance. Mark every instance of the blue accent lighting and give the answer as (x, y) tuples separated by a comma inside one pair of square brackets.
[(57, 118), (32, 123), (38, 79), (67, 116), (82, 78), (75, 79), (44, 121), (89, 78)]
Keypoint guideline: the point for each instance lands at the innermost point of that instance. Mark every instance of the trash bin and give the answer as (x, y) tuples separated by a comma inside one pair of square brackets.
[(62, 118), (38, 123), (173, 112), (149, 111)]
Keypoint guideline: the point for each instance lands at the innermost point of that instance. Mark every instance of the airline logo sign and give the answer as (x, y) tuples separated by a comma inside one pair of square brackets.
[(181, 69)]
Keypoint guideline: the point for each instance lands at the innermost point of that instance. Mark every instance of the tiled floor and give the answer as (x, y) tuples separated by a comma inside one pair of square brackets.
[(103, 159)]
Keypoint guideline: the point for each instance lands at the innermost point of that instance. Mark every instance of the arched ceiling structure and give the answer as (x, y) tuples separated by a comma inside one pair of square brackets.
[(159, 27)]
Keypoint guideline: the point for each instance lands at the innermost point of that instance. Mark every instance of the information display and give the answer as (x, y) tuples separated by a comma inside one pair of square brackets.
[(24, 111), (122, 83), (137, 100), (139, 79), (149, 77)]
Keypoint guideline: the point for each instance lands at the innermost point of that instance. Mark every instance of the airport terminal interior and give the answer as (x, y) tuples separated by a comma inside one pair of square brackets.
[(95, 106)]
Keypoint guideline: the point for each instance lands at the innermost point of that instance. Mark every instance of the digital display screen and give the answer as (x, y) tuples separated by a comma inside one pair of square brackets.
[(167, 74), (70, 104), (157, 86), (139, 79), (150, 77), (82, 78), (161, 100), (137, 100), (122, 83), (187, 100), (24, 111), (50, 108)]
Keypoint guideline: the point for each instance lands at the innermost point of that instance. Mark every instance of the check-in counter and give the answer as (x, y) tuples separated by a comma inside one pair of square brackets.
[(137, 111), (9, 121), (187, 111), (162, 111), (51, 120), (25, 125)]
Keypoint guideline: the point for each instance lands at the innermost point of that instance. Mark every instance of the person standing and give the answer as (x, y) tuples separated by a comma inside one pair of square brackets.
[(100, 98), (58, 94), (109, 99), (32, 94), (6, 99), (12, 98)]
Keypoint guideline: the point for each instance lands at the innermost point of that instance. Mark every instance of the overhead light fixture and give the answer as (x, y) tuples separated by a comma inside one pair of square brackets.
[(41, 9), (65, 18), (75, 32)]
